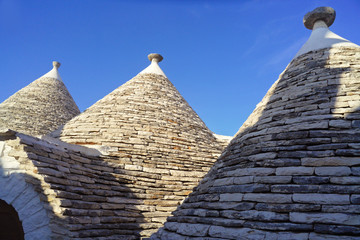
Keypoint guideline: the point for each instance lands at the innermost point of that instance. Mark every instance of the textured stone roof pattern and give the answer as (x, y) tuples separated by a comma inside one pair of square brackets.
[(140, 162), (147, 108), (96, 196), (292, 171), (155, 138), (39, 108)]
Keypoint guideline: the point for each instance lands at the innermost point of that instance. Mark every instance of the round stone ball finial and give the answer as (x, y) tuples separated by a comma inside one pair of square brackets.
[(157, 57), (326, 14), (56, 64)]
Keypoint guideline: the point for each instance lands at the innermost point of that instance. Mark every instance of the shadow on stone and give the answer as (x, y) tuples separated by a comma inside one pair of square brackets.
[(298, 151), (66, 191)]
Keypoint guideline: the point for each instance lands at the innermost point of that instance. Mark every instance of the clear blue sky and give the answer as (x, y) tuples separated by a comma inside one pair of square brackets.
[(222, 56)]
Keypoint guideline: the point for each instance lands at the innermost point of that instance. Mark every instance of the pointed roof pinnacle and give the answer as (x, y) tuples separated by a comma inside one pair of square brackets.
[(325, 14), (41, 107), (54, 73), (56, 64), (155, 58), (321, 37)]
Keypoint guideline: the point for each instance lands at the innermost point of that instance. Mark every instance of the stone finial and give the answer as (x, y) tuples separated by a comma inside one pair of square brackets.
[(56, 64), (326, 14), (155, 56)]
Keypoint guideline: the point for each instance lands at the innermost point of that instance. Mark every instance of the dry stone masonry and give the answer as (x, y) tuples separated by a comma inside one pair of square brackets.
[(123, 168), (151, 137), (39, 108), (293, 169)]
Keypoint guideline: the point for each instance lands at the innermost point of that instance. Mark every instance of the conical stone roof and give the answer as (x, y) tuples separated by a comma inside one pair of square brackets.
[(146, 108), (154, 138), (39, 108), (293, 170)]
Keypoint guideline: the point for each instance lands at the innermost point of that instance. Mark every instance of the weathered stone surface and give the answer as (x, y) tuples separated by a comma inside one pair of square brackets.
[(340, 123), (355, 171), (293, 171), (251, 171), (240, 188), (287, 235), (235, 233), (311, 180), (316, 236), (290, 188), (268, 198), (254, 215), (338, 230), (231, 197), (330, 161), (345, 180), (321, 198), (355, 198), (44, 232), (273, 179), (279, 226), (192, 229), (230, 205), (225, 181), (331, 218), (341, 208), (243, 180), (287, 207), (203, 197), (279, 162), (345, 189), (168, 235), (221, 222), (332, 171)]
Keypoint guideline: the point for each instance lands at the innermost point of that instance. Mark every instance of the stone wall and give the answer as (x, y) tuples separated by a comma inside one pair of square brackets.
[(292, 171), (90, 195), (22, 191)]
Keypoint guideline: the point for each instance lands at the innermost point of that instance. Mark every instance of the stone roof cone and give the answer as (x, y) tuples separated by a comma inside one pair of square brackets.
[(293, 169), (148, 102), (155, 138), (39, 108)]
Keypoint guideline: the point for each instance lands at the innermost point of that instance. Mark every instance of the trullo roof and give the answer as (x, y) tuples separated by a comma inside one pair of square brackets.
[(154, 138), (293, 170), (39, 108), (145, 110)]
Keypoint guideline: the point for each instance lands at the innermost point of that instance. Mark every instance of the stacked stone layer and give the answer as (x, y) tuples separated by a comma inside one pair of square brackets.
[(39, 108), (85, 195), (154, 139), (293, 170)]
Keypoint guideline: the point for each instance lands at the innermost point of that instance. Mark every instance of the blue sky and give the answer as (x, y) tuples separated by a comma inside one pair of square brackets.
[(222, 56)]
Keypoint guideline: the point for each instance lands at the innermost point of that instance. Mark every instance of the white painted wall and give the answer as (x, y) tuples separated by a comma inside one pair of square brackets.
[(14, 190)]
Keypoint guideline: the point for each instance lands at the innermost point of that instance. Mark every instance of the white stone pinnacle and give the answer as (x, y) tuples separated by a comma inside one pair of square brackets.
[(154, 67), (54, 73), (321, 37)]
